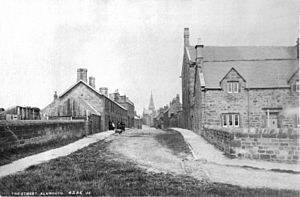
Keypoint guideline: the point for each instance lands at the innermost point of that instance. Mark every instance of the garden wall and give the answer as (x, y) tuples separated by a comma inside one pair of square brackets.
[(18, 133), (278, 145)]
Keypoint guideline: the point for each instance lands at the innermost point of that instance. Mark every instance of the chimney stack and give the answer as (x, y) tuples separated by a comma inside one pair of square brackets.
[(82, 74), (297, 45), (186, 37), (199, 51), (92, 82), (55, 95), (104, 91)]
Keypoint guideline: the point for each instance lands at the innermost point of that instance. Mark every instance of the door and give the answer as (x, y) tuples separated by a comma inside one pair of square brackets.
[(273, 120), (95, 123)]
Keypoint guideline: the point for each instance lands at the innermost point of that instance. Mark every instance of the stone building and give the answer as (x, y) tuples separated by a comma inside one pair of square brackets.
[(240, 86), (150, 113), (83, 101), (137, 122), (127, 103), (158, 120), (172, 114)]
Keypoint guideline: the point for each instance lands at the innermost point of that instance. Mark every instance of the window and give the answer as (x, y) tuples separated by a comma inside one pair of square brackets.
[(230, 120), (224, 120), (236, 120), (229, 87), (295, 86), (233, 87)]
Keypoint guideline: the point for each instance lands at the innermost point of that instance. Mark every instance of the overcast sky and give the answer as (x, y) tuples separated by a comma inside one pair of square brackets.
[(135, 46)]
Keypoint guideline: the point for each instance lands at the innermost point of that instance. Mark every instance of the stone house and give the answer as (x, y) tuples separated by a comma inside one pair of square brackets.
[(83, 101), (240, 86), (137, 122), (166, 118), (158, 120), (172, 114), (127, 103), (175, 109)]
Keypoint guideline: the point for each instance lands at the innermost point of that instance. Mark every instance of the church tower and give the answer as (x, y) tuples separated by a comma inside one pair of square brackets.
[(151, 104)]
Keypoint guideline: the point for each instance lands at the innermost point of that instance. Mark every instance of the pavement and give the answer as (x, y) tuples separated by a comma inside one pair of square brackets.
[(243, 172), (204, 150), (22, 164)]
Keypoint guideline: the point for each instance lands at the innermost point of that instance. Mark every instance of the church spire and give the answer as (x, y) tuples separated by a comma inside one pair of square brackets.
[(151, 104)]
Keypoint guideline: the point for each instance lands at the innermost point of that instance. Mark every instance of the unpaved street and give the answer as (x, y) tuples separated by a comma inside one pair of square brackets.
[(142, 147)]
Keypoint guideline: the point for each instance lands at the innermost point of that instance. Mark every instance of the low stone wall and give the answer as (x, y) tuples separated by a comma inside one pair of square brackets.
[(278, 145), (18, 133)]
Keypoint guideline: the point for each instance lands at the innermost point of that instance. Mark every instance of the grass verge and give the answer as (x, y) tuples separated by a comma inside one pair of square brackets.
[(96, 171), (173, 140), (31, 149)]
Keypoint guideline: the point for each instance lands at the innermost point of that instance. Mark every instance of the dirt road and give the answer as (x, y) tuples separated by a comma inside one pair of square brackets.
[(142, 147)]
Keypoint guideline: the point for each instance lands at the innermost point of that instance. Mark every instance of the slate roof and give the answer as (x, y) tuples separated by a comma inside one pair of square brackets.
[(235, 53), (261, 67)]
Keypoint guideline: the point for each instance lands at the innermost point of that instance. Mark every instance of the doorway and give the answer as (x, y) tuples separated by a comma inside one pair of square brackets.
[(272, 120)]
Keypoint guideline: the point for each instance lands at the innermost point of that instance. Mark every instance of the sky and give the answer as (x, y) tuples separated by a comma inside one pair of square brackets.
[(135, 46)]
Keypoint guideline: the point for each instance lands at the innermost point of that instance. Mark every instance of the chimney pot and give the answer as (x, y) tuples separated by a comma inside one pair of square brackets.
[(297, 45), (92, 82), (186, 36), (55, 95), (199, 51), (104, 91), (82, 74)]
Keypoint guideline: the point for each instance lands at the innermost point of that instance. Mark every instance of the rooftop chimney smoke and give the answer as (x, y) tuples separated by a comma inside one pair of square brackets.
[(92, 82), (82, 74)]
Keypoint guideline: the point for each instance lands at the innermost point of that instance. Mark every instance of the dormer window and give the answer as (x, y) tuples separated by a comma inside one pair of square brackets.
[(233, 87)]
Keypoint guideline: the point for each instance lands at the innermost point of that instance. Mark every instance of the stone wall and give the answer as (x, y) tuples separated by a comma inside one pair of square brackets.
[(18, 133), (285, 100), (251, 105), (278, 145)]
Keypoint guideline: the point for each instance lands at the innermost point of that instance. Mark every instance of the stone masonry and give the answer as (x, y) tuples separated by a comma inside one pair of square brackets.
[(278, 145)]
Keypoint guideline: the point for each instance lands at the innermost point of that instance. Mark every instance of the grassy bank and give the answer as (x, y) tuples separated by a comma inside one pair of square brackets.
[(14, 154), (95, 170), (173, 140)]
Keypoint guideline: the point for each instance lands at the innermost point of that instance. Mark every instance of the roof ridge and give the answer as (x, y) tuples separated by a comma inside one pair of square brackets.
[(81, 81), (244, 60), (249, 46)]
